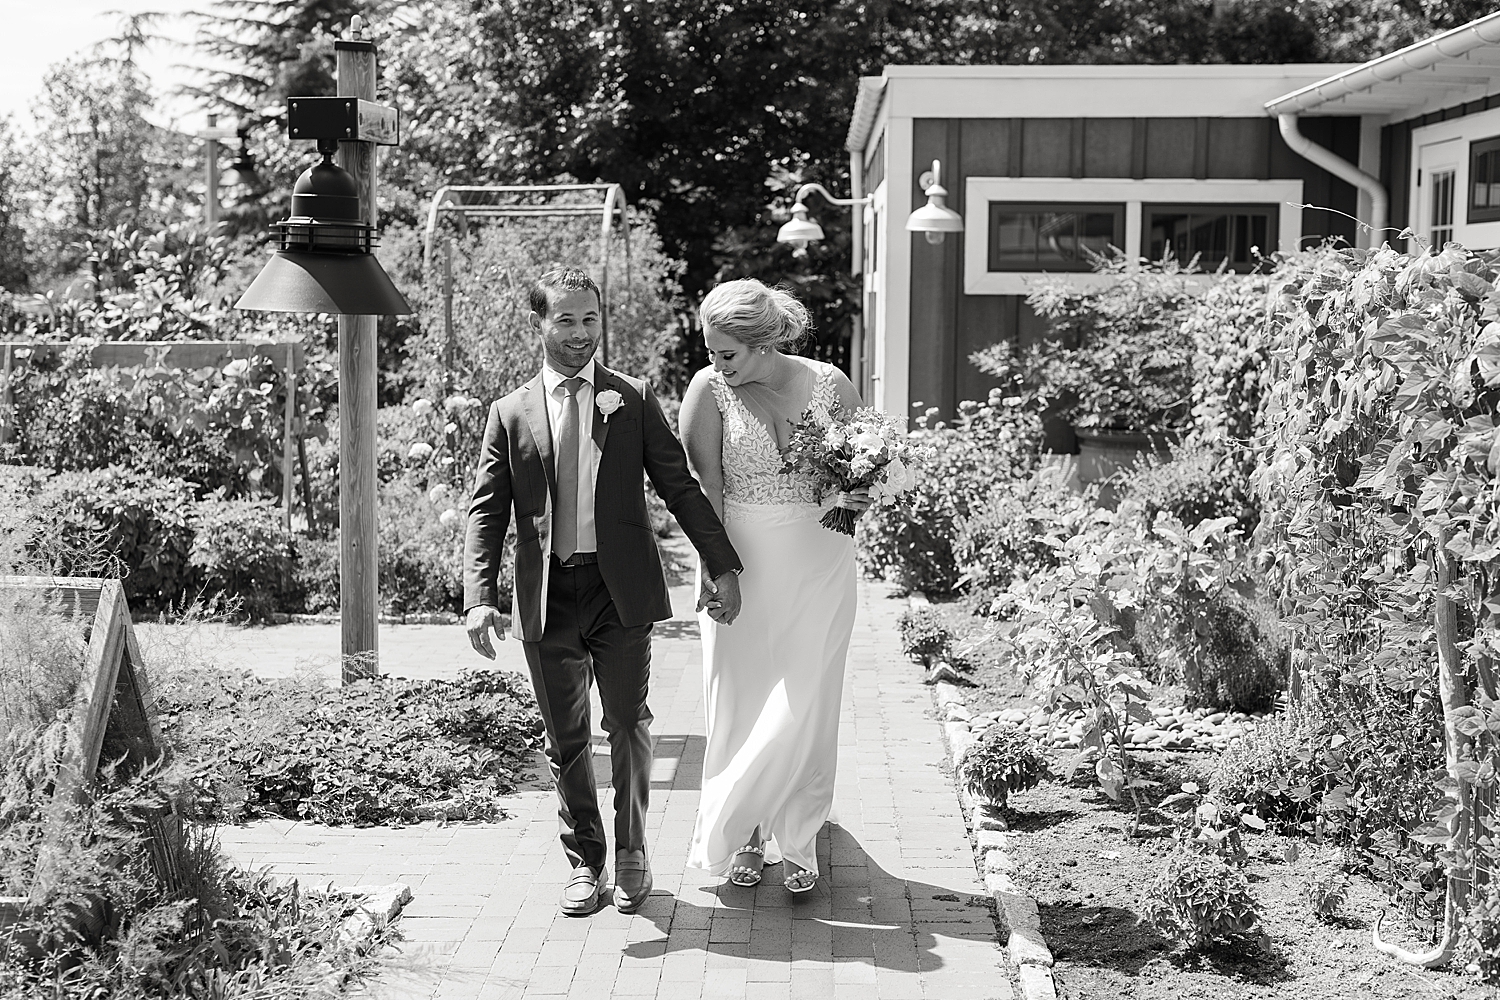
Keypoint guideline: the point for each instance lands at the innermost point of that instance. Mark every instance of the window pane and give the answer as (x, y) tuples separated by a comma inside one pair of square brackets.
[(1046, 237), (1015, 237), (1214, 234)]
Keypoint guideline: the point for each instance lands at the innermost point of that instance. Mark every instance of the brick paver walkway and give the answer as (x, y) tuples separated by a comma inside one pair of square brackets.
[(898, 914)]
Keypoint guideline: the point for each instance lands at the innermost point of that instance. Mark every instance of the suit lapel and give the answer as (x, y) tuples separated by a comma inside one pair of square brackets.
[(541, 429), (604, 381)]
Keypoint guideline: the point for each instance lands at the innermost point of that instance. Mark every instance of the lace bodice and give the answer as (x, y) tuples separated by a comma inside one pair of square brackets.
[(752, 461)]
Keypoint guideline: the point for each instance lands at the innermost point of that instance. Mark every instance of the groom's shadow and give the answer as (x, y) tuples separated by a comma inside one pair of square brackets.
[(857, 913)]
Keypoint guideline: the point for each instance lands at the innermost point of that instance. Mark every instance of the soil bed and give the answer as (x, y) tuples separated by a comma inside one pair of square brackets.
[(1073, 855)]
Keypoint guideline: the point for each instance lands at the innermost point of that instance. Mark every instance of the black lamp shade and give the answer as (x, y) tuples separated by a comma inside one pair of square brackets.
[(353, 284), (324, 262)]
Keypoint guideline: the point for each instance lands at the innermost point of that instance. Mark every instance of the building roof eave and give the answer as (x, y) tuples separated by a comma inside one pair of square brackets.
[(1406, 80), (866, 108)]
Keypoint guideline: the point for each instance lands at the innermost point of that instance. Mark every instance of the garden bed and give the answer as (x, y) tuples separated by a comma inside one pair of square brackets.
[(1073, 855)]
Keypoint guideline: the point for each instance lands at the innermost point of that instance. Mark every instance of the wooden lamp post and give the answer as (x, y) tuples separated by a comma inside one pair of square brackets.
[(326, 264)]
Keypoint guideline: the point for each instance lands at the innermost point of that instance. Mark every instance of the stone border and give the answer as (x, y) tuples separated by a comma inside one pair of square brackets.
[(1025, 946)]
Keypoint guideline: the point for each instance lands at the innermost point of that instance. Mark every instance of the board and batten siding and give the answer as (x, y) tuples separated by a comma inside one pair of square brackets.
[(947, 325)]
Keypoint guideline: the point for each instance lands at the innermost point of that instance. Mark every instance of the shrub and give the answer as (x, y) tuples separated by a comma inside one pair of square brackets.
[(1197, 483), (217, 427), (1002, 760), (1115, 358), (1200, 900), (1325, 891), (1236, 654), (1275, 770), (924, 634), (1233, 345), (244, 553), (989, 444), (146, 523), (1006, 539), (420, 555), (1479, 941)]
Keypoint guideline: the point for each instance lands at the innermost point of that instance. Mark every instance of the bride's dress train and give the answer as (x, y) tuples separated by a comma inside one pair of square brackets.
[(773, 681)]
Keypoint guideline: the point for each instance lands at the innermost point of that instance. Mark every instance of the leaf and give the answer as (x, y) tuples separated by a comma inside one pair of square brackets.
[(1253, 821)]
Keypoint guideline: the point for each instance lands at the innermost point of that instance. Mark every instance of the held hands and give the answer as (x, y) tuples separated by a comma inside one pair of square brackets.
[(856, 500), (479, 622), (721, 598)]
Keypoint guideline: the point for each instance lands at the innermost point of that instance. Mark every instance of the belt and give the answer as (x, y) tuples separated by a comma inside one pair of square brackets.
[(578, 559)]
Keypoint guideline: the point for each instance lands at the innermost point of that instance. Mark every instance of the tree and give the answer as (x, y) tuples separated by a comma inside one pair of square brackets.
[(96, 162)]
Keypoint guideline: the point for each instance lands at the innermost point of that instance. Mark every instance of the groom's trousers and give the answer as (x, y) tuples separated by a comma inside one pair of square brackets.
[(584, 642)]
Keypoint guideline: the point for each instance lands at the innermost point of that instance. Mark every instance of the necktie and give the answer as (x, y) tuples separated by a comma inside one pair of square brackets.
[(565, 526)]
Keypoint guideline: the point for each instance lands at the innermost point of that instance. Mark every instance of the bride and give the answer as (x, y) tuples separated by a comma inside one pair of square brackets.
[(773, 678)]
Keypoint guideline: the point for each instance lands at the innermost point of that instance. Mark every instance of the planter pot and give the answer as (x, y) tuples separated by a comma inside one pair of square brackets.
[(1102, 454)]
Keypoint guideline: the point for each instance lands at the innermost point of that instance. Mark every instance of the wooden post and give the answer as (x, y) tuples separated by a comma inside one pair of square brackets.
[(211, 196), (5, 397), (286, 439), (359, 594)]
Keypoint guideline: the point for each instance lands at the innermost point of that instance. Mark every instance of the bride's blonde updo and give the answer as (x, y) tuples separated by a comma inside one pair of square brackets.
[(755, 315)]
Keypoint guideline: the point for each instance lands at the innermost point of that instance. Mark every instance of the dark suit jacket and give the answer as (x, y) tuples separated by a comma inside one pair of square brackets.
[(516, 470)]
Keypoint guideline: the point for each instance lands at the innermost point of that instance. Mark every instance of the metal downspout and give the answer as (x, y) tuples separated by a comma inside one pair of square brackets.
[(1342, 169)]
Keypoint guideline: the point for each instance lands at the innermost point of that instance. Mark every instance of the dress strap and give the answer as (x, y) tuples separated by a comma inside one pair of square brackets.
[(723, 395)]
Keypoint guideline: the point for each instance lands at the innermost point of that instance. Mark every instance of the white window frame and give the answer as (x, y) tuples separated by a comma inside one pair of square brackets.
[(980, 191)]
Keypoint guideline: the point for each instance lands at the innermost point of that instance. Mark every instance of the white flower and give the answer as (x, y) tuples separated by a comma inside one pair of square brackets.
[(449, 518), (420, 452), (438, 493), (869, 442), (237, 368), (456, 404), (449, 427), (608, 402), (895, 475), (422, 407), (475, 401)]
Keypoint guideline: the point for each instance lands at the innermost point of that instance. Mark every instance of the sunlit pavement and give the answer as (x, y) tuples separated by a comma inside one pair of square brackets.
[(898, 913)]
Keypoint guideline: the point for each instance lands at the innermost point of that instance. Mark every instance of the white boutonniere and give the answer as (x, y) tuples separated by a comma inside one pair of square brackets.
[(608, 402)]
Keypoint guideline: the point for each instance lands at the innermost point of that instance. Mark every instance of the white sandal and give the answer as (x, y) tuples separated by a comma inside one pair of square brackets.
[(743, 874), (801, 880)]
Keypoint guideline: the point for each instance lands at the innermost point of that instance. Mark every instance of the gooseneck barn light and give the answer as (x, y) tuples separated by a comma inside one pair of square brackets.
[(324, 260), (935, 219), (801, 230)]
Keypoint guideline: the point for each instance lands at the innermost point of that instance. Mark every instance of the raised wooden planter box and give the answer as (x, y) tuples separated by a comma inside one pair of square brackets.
[(111, 712)]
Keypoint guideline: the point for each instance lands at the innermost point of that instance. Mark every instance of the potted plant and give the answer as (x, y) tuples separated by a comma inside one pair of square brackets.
[(1117, 364)]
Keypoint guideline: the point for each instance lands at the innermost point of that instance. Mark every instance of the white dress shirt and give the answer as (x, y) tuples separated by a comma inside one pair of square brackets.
[(588, 452)]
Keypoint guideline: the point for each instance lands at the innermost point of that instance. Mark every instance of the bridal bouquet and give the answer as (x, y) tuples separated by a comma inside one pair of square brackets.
[(863, 448)]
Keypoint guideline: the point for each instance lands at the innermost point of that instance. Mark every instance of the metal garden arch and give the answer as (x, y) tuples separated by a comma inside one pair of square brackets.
[(494, 201)]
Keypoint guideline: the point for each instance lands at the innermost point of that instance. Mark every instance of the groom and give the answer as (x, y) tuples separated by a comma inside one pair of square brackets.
[(567, 450)]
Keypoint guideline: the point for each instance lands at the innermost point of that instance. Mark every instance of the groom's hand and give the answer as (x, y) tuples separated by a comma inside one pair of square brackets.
[(723, 601), (479, 622)]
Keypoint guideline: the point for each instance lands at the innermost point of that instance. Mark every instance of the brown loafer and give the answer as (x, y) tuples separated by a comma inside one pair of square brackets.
[(632, 880), (582, 895)]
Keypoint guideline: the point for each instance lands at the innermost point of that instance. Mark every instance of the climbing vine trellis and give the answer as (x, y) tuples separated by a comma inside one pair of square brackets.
[(1382, 510)]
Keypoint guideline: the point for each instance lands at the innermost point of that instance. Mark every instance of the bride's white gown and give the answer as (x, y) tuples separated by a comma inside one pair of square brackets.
[(773, 680)]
